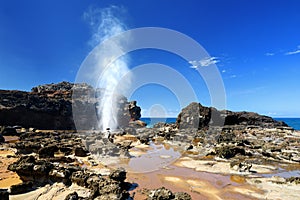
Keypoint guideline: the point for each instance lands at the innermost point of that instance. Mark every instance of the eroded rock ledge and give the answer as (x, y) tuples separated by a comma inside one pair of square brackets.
[(52, 106), (197, 116), (58, 161)]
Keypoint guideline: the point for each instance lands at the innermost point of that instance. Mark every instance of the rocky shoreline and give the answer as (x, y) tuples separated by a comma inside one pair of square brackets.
[(59, 160), (206, 154), (62, 160)]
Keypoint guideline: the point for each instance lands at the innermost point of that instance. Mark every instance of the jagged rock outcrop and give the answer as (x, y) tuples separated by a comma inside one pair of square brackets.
[(166, 194), (135, 111), (57, 106), (135, 115), (197, 116), (41, 167)]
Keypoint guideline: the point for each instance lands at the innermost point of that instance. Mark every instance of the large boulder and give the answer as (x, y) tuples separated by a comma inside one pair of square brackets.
[(197, 116)]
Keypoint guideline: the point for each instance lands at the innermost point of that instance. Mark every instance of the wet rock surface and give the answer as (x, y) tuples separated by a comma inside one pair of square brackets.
[(39, 166), (97, 143), (52, 157), (276, 144), (47, 158), (245, 144)]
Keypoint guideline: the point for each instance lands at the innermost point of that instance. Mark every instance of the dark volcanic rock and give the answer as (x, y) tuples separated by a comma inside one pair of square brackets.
[(27, 147), (48, 151), (135, 111), (35, 110), (42, 167), (229, 151), (293, 179), (80, 151), (8, 131), (166, 194), (182, 196), (80, 178), (251, 118), (72, 196), (21, 188), (2, 139), (4, 195), (197, 116), (56, 106), (118, 175), (61, 174), (112, 187), (161, 193), (31, 169), (194, 116)]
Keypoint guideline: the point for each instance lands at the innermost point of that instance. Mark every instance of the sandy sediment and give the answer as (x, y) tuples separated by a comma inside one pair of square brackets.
[(7, 177)]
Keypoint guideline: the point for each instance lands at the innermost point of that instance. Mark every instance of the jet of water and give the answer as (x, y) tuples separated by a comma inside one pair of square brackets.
[(107, 25)]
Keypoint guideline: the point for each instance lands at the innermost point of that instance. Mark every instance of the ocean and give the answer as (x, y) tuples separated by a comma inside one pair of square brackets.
[(151, 121), (293, 122)]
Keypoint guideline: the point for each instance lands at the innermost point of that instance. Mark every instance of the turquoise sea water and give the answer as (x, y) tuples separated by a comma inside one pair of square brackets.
[(151, 121), (293, 122)]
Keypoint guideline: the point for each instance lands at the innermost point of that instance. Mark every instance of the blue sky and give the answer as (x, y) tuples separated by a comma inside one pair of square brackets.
[(255, 44)]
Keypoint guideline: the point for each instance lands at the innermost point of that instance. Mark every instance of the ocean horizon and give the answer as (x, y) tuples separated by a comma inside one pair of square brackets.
[(292, 122)]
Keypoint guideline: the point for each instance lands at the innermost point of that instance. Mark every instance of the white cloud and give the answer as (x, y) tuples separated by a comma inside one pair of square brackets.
[(193, 66), (294, 52), (233, 76), (223, 71), (272, 114), (269, 54), (205, 62)]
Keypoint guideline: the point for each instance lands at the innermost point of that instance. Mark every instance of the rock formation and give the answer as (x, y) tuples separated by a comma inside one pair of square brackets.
[(37, 166), (56, 106), (197, 116), (135, 115), (55, 159), (135, 111), (166, 194)]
